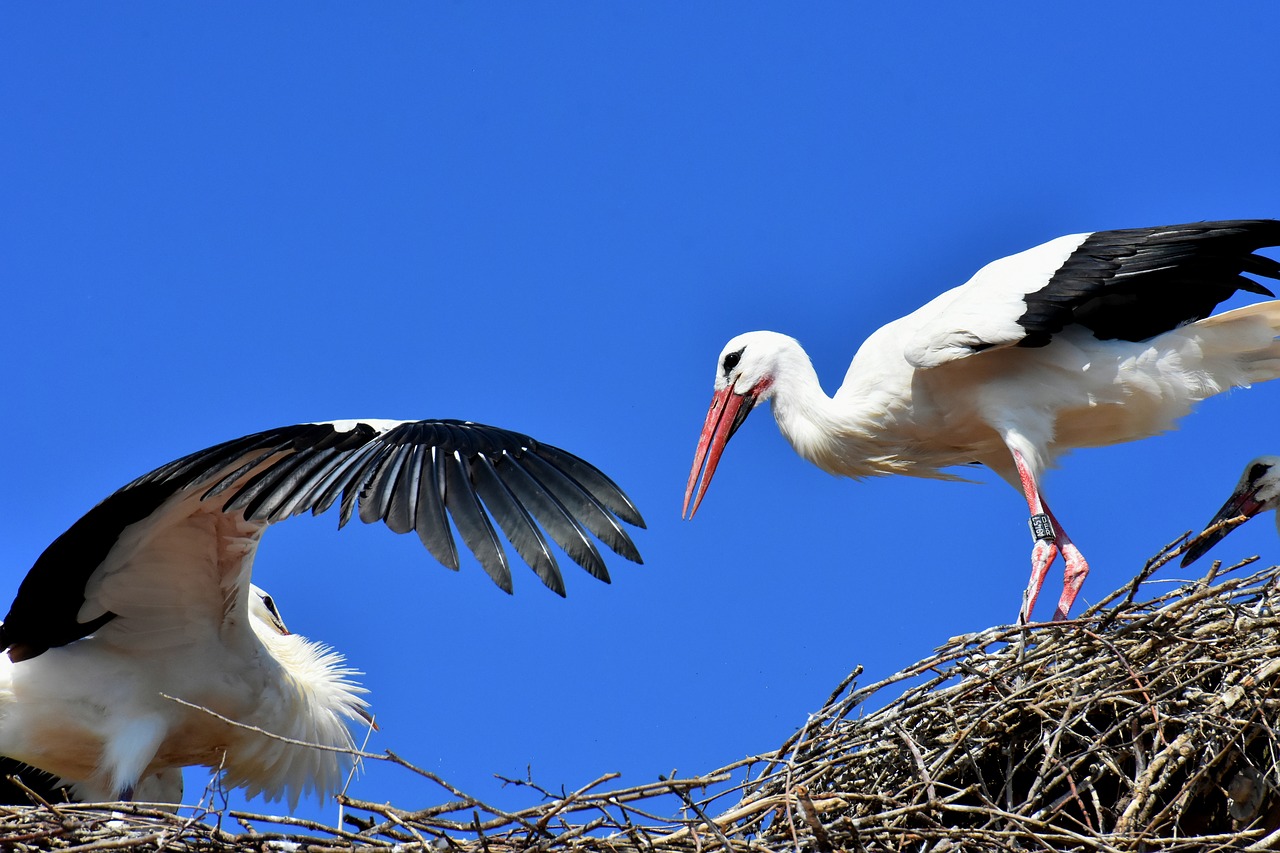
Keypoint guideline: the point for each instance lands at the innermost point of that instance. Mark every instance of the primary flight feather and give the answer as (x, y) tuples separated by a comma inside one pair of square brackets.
[(148, 596)]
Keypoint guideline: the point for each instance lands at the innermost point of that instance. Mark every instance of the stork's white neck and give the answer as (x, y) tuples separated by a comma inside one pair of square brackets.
[(840, 435)]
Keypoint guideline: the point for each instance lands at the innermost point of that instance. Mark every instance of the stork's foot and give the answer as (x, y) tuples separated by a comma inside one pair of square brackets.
[(1043, 553), (1076, 570)]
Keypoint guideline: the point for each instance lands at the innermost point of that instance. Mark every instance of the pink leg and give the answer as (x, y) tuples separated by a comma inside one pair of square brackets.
[(1075, 572), (1044, 551)]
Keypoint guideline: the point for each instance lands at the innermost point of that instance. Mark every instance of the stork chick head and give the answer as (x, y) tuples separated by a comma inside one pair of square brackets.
[(745, 374), (1257, 491)]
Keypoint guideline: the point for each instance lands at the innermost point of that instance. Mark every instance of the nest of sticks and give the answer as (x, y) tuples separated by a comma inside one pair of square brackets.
[(1141, 725)]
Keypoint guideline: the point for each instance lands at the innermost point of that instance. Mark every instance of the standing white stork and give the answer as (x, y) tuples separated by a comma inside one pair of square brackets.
[(148, 596), (1087, 340), (1257, 492)]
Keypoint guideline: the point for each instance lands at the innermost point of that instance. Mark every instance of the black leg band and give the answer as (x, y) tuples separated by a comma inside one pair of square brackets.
[(1042, 527)]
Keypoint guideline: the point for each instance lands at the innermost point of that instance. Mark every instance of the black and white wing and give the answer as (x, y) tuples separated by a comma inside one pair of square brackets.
[(43, 784), (1130, 284), (412, 475)]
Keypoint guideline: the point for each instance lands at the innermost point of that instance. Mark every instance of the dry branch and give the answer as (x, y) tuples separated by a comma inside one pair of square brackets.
[(1139, 726)]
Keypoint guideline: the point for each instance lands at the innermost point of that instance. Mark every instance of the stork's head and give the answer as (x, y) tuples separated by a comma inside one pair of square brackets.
[(1257, 491), (314, 698), (263, 608), (745, 374)]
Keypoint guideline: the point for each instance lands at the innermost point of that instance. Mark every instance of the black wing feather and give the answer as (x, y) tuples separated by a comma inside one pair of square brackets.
[(379, 488), (401, 507), (338, 483), (286, 500), (516, 523), (412, 475), (593, 481), (309, 493), (429, 519), (1137, 283), (580, 504), (473, 524), (261, 494), (567, 532)]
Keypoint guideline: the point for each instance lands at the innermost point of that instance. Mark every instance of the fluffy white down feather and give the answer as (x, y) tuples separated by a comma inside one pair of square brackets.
[(49, 721), (88, 713), (316, 710)]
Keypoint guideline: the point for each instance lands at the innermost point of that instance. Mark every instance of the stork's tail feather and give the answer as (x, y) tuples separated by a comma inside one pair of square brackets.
[(1246, 338)]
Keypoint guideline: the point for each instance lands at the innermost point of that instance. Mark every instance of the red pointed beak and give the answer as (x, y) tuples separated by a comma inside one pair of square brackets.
[(728, 410), (1244, 502)]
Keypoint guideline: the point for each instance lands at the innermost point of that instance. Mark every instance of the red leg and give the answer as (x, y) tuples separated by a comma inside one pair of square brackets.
[(1075, 572), (1044, 551)]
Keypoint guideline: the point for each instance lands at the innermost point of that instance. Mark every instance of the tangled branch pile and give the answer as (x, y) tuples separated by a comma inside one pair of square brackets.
[(1135, 727), (1138, 726)]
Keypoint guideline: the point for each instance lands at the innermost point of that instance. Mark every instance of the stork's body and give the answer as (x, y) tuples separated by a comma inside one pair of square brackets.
[(95, 714), (1079, 342), (147, 598)]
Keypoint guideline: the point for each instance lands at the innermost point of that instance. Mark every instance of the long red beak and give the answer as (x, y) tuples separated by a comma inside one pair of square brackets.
[(1244, 502), (728, 410)]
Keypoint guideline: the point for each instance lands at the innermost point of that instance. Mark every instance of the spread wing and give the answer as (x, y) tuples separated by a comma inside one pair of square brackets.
[(173, 550), (1128, 285)]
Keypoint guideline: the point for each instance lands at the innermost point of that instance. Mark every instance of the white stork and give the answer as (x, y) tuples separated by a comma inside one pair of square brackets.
[(148, 596), (1087, 340), (1257, 492)]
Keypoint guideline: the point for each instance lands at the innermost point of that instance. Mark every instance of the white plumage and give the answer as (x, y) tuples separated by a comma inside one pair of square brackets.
[(1086, 340), (148, 596), (94, 712)]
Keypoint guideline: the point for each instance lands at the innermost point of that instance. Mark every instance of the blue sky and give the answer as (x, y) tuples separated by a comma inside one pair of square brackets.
[(218, 218)]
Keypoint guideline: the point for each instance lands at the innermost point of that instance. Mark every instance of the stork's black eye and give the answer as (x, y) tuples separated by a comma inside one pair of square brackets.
[(1258, 471), (731, 360), (270, 604)]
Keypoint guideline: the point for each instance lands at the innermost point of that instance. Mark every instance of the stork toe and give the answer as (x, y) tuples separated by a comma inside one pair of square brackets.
[(1043, 553), (1076, 569)]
